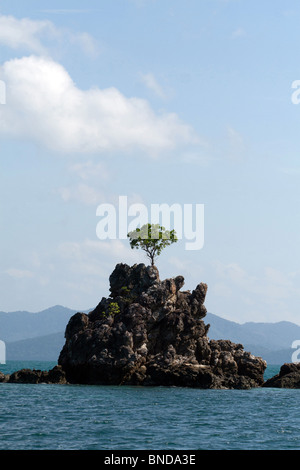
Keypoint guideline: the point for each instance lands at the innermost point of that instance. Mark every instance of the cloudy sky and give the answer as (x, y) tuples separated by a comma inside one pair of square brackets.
[(165, 102)]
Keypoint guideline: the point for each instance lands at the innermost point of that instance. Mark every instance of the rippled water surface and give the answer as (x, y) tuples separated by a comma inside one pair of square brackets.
[(140, 418)]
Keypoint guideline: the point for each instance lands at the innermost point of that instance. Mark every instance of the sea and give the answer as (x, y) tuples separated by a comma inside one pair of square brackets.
[(114, 418)]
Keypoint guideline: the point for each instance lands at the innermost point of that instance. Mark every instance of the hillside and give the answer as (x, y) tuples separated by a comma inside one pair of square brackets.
[(42, 348), (34, 336), (40, 336), (20, 325), (272, 341)]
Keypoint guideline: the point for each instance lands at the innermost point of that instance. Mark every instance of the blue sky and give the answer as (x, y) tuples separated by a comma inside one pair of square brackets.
[(164, 102)]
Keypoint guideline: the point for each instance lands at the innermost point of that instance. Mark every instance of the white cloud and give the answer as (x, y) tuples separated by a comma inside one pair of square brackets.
[(86, 42), (68, 10), (269, 287), (24, 33), (30, 35), (19, 273), (268, 294), (186, 267), (150, 81), (202, 157), (95, 257), (142, 3), (89, 170), (46, 106), (236, 144), (82, 193), (290, 171)]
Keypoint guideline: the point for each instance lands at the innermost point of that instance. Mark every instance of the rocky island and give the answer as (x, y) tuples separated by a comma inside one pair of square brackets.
[(148, 332), (288, 377)]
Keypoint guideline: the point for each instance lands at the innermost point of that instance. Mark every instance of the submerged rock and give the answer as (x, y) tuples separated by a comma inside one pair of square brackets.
[(149, 332), (288, 377)]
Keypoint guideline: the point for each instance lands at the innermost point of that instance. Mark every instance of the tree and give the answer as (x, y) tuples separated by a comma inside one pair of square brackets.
[(152, 238)]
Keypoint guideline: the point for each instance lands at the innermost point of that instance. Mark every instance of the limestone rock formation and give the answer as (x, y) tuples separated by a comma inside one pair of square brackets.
[(35, 376), (288, 377), (150, 332)]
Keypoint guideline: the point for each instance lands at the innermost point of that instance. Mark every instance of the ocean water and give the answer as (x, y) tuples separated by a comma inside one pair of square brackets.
[(82, 417)]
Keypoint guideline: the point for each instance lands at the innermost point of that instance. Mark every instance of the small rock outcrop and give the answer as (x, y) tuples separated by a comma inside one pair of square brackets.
[(150, 332), (35, 376), (288, 377)]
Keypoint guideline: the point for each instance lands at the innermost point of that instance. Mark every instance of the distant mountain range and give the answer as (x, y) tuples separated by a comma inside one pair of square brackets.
[(271, 341), (40, 336), (22, 325), (35, 336)]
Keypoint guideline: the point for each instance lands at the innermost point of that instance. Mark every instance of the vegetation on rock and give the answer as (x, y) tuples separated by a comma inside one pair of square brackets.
[(152, 238)]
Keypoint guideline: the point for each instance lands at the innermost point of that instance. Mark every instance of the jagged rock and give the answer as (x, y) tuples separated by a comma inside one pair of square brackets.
[(28, 376), (288, 377), (149, 332), (3, 377), (137, 279)]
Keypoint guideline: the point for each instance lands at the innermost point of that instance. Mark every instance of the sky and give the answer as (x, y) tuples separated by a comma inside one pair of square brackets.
[(164, 102)]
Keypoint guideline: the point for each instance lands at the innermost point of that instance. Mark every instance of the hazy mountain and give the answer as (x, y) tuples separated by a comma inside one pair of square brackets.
[(15, 326), (34, 336), (42, 348), (272, 341), (40, 336)]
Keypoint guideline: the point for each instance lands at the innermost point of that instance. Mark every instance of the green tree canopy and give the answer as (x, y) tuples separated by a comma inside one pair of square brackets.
[(152, 238)]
